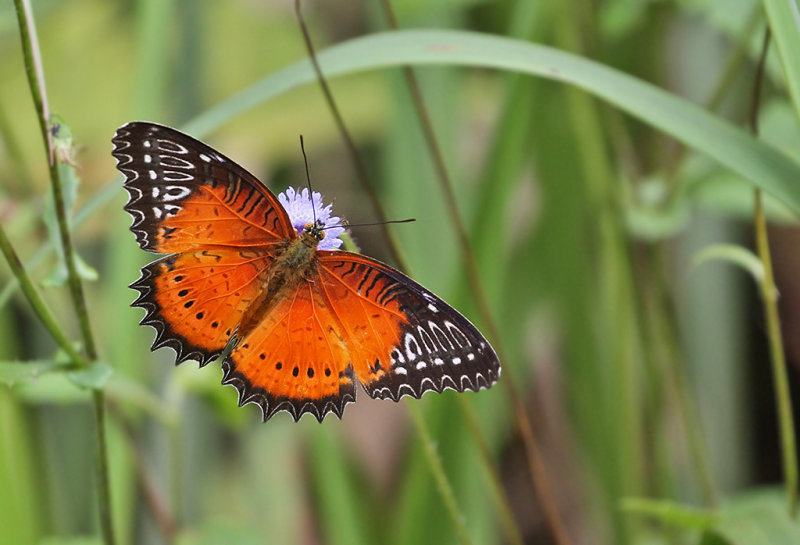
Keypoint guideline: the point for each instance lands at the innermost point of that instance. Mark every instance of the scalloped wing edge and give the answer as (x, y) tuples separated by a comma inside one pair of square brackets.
[(446, 383), (183, 350), (134, 194), (271, 405)]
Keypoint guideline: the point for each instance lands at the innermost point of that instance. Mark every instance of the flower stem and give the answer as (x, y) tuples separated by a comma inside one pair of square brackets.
[(769, 294), (33, 66), (361, 170)]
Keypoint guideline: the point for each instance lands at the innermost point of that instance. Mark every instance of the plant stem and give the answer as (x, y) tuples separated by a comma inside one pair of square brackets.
[(361, 170), (33, 66), (769, 294), (783, 397), (36, 301), (435, 465), (537, 471)]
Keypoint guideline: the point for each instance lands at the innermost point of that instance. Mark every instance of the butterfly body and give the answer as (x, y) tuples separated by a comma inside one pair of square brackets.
[(293, 265), (300, 322)]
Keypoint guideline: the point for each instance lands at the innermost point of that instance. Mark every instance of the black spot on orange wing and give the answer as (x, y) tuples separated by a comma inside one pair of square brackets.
[(187, 314)]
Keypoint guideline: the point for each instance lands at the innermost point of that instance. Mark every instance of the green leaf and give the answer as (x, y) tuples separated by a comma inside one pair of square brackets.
[(761, 164), (733, 253), (230, 533), (14, 372), (672, 513), (755, 518), (784, 22), (93, 377), (71, 540)]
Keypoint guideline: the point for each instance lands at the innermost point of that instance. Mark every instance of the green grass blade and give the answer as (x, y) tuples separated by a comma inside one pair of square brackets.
[(763, 165), (784, 22)]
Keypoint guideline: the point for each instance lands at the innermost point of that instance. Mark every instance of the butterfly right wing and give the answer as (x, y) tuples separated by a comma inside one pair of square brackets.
[(186, 196)]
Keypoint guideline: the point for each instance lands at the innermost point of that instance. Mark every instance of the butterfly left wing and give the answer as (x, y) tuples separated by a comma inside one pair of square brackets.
[(402, 339)]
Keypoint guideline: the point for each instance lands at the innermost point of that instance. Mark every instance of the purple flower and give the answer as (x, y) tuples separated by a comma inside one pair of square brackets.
[(301, 211)]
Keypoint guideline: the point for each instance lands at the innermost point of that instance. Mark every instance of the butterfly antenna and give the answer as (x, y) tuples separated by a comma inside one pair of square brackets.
[(308, 180), (347, 225)]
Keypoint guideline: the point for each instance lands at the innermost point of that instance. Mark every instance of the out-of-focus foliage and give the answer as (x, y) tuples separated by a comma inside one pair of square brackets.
[(645, 375)]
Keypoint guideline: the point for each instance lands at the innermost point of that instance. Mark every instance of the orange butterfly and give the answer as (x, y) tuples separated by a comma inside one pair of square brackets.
[(300, 322)]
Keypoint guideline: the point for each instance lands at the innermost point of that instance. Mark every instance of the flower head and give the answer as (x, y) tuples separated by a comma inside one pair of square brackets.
[(302, 209)]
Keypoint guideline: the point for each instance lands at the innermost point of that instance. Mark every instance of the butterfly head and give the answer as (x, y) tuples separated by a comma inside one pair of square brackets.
[(313, 233)]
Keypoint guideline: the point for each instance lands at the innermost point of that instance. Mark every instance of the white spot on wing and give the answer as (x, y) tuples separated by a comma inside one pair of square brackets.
[(400, 371), (456, 361), (409, 341), (176, 192), (152, 174), (422, 365)]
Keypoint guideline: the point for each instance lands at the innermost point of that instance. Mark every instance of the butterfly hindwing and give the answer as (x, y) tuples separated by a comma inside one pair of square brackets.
[(195, 300), (186, 196), (294, 360), (402, 339)]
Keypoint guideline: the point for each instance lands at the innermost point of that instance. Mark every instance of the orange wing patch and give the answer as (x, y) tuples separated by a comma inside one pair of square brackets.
[(403, 339), (196, 300), (360, 298), (293, 360), (209, 217), (186, 196)]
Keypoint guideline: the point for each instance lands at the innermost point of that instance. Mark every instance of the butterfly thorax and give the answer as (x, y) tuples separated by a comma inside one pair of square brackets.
[(293, 265)]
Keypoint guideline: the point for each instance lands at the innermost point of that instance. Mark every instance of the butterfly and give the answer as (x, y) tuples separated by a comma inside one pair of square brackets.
[(298, 322)]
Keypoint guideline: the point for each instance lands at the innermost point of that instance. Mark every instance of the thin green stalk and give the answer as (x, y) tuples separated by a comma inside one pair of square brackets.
[(33, 66), (435, 465), (507, 519), (36, 301), (443, 485), (361, 170), (625, 462), (769, 293), (538, 478), (662, 320)]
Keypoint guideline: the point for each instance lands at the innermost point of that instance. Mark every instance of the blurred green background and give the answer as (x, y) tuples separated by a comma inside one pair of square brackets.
[(646, 378)]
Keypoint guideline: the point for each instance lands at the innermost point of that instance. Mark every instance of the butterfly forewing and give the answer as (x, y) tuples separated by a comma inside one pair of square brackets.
[(186, 196), (222, 225)]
